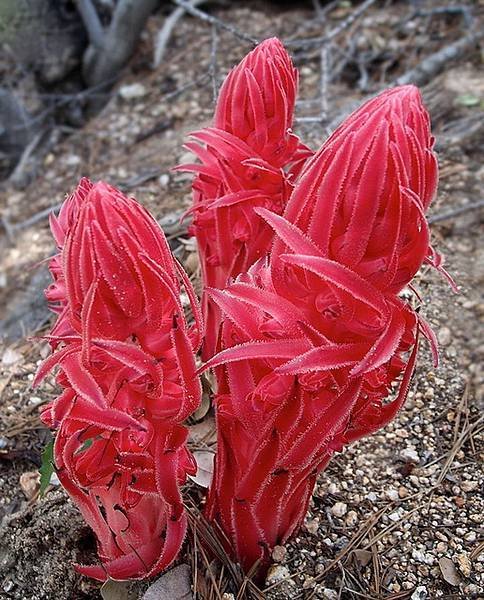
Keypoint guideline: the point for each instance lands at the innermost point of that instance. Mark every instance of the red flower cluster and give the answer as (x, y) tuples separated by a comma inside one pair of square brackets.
[(303, 259), (315, 335), (250, 159), (126, 365)]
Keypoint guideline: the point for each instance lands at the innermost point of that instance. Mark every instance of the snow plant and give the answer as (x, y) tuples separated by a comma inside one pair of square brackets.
[(249, 158), (304, 257), (315, 336), (125, 358)]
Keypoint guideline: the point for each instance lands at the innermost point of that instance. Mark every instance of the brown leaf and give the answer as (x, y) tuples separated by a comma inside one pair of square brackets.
[(362, 557), (204, 473)]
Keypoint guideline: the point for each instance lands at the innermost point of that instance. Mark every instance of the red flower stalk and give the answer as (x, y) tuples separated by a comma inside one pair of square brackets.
[(314, 337), (249, 159), (128, 376)]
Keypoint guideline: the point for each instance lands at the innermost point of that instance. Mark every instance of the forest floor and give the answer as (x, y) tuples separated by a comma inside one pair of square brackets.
[(397, 515)]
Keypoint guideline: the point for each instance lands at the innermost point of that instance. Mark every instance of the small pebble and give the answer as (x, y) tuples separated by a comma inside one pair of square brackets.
[(279, 554), (339, 509), (444, 336)]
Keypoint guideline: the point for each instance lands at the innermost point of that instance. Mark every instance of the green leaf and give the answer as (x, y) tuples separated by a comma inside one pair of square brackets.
[(47, 467), (468, 100), (87, 444)]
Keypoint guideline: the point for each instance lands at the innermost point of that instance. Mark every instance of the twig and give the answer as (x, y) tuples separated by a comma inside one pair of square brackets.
[(203, 16), (323, 86), (165, 32), (213, 61), (317, 41), (457, 446), (391, 527), (456, 212), (17, 173), (464, 11), (91, 21), (433, 64), (356, 539)]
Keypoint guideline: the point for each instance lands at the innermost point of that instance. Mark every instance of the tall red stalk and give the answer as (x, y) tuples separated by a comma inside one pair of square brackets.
[(315, 337), (249, 158), (126, 366)]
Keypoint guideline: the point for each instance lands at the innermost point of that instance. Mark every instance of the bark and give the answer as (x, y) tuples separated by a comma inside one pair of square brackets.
[(104, 62)]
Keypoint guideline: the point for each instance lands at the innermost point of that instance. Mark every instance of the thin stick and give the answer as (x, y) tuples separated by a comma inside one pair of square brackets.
[(456, 212), (457, 446), (91, 21), (203, 16), (350, 19), (213, 61), (163, 36), (323, 87)]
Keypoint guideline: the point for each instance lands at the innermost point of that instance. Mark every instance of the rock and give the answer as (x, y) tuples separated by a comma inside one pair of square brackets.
[(10, 357), (73, 160), (464, 564), (164, 180), (420, 593), (279, 554), (278, 573), (339, 509), (469, 486), (449, 572), (329, 594), (444, 336), (312, 525), (174, 584), (132, 91), (351, 518), (410, 454), (30, 483), (392, 495)]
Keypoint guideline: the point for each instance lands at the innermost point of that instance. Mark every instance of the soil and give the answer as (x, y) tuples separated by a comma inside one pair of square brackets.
[(397, 515)]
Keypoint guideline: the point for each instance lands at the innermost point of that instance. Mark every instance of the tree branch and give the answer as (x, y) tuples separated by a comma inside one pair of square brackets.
[(101, 64), (91, 21), (433, 64), (214, 21)]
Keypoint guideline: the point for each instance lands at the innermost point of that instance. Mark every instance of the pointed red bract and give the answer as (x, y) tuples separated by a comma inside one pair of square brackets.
[(250, 158), (126, 364)]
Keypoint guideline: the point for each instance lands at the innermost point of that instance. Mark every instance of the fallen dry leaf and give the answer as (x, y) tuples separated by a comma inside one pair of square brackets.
[(204, 473)]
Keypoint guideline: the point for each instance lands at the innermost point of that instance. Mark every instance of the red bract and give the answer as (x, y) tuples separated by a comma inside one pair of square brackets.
[(249, 159), (60, 226), (128, 376), (315, 337)]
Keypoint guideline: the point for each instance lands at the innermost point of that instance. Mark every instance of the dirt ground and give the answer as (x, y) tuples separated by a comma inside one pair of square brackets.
[(398, 515)]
